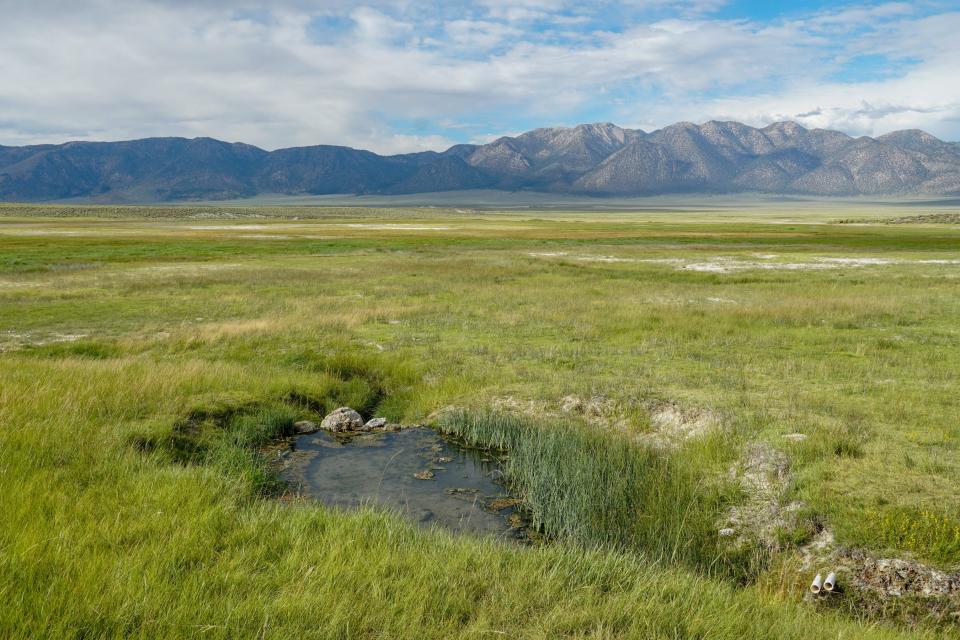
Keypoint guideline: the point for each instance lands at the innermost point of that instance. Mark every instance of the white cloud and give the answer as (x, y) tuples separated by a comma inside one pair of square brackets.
[(111, 70), (522, 10), (480, 35), (926, 96)]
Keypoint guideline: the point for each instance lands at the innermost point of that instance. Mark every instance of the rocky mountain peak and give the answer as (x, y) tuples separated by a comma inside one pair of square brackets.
[(596, 158)]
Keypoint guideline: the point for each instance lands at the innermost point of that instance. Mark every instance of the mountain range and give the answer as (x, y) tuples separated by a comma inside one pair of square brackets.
[(590, 159)]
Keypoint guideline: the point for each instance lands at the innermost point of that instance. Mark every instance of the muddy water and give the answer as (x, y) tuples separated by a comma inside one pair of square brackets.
[(431, 480)]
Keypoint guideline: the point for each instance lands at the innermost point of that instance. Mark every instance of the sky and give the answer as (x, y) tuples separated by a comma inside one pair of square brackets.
[(397, 76)]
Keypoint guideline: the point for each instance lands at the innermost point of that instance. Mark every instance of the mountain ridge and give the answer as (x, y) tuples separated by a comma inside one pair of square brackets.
[(588, 159)]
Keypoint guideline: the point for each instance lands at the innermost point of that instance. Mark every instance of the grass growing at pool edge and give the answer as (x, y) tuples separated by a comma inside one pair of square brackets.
[(578, 485), (596, 488)]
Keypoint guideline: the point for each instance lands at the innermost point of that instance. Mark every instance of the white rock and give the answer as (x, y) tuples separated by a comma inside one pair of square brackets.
[(305, 426), (342, 419), (375, 423)]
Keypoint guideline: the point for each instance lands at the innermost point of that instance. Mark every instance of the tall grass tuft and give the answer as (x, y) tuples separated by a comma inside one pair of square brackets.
[(598, 489)]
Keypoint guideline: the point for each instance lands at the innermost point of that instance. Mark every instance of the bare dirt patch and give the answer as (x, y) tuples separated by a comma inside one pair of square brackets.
[(8, 284), (674, 424), (188, 268), (13, 340), (819, 263), (763, 262), (763, 475), (237, 227), (394, 227), (671, 423), (593, 407), (720, 265), (265, 236), (579, 258)]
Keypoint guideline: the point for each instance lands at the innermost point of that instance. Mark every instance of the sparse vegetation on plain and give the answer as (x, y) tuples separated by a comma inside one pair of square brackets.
[(923, 218), (688, 408)]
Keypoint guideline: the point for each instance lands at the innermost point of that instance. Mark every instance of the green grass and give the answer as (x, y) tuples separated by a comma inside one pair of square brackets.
[(597, 489), (111, 542), (143, 362)]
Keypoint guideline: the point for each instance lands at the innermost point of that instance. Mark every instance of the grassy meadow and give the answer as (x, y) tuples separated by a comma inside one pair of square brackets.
[(148, 354)]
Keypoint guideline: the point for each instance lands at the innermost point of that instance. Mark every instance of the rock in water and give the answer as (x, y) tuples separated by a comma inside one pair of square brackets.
[(305, 426), (342, 419), (375, 423)]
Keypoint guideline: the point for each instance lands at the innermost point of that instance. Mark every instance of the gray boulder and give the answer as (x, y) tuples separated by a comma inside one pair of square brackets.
[(342, 419), (375, 423), (305, 426)]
